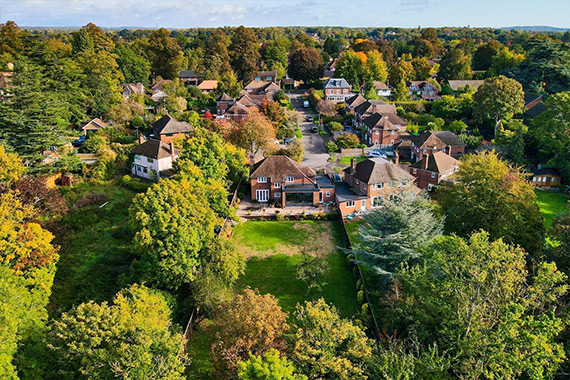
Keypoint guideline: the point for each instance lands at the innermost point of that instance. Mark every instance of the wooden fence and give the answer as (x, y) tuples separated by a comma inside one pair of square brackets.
[(374, 329)]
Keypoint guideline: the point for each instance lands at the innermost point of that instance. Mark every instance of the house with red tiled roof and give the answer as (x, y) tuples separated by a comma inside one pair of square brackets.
[(434, 141), (284, 182), (383, 130), (434, 168)]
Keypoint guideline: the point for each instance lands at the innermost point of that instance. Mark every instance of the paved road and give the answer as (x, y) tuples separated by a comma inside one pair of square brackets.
[(316, 155)]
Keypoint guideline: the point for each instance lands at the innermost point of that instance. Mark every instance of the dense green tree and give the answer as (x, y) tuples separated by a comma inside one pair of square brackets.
[(255, 133), (134, 67), (244, 53), (306, 64), (397, 233), (505, 62), (376, 66), (422, 68), (275, 55), (11, 167), (473, 298), (217, 59), (229, 85), (511, 139), (82, 41), (332, 46), (101, 42), (12, 38), (269, 366), (454, 65), (550, 130), (492, 195), (483, 57), (165, 54), (498, 98), (173, 225), (132, 338), (351, 67), (325, 346)]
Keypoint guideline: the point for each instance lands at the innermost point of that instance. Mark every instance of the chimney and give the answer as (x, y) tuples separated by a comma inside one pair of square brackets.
[(171, 149), (141, 139), (449, 150), (396, 157), (425, 162), (353, 166)]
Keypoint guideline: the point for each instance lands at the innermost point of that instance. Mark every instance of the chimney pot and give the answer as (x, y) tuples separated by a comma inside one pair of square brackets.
[(171, 149), (352, 166), (426, 160)]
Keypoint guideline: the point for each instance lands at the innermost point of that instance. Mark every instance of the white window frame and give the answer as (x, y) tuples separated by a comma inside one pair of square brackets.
[(328, 194), (264, 192), (289, 179), (277, 194), (276, 185), (432, 174), (350, 204), (261, 179), (374, 200), (415, 171)]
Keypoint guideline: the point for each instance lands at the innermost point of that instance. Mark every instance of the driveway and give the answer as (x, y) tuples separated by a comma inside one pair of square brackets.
[(316, 156)]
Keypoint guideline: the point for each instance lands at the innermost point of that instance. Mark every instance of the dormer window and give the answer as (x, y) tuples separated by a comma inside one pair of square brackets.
[(261, 179), (289, 179)]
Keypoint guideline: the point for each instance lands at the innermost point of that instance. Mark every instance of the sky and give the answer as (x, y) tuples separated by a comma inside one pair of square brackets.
[(352, 13)]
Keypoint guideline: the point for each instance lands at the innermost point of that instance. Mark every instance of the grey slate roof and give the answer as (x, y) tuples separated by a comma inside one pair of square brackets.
[(336, 83)]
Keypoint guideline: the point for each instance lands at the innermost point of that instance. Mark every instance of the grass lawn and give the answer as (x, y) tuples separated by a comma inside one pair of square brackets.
[(272, 249), (352, 229), (346, 159), (96, 248), (551, 204)]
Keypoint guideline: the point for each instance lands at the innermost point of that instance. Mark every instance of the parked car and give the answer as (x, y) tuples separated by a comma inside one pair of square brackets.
[(288, 140), (377, 154), (309, 118), (306, 104), (80, 141), (314, 129)]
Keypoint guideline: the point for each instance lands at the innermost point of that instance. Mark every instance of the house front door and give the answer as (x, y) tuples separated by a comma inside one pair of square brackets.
[(321, 197), (363, 205), (262, 195)]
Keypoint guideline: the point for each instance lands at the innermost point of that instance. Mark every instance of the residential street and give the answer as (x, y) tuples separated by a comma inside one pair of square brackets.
[(316, 155)]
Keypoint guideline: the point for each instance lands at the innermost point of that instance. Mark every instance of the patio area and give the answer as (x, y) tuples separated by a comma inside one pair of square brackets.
[(249, 209)]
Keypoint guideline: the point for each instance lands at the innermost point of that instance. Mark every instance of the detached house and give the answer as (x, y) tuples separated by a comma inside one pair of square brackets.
[(436, 141), (189, 77), (158, 90), (268, 76), (130, 89), (281, 180), (371, 182), (208, 86), (546, 176), (433, 168), (93, 126), (154, 159), (383, 130), (261, 87), (382, 89), (370, 107), (223, 103), (337, 90), (423, 90), (167, 128)]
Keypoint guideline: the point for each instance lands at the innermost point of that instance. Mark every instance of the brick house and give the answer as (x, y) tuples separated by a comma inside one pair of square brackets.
[(261, 87), (353, 102), (383, 130), (370, 107), (283, 181), (337, 90), (435, 141), (93, 126), (433, 168), (423, 90), (223, 103), (369, 183), (154, 159), (167, 128)]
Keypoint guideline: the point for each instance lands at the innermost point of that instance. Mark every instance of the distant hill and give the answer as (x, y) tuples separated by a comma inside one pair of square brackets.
[(537, 28)]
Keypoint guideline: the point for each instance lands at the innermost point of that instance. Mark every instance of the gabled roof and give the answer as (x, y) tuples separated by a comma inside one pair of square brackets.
[(377, 121), (380, 85), (336, 83), (438, 162), (256, 84), (439, 139), (375, 106), (272, 86), (474, 83), (266, 73), (259, 86), (355, 100), (225, 98), (278, 167), (379, 170), (168, 124), (208, 84), (237, 109), (95, 124), (155, 149), (134, 88), (158, 85)]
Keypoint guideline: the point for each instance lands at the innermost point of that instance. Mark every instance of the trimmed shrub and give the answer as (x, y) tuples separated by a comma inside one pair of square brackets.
[(360, 296)]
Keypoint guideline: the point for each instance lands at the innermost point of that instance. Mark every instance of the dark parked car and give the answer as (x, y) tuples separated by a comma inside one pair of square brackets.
[(309, 118), (314, 129), (80, 141)]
